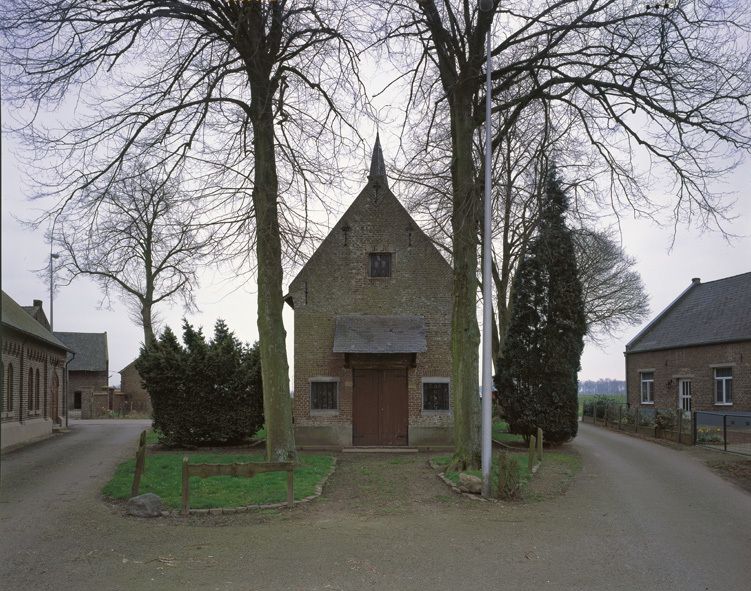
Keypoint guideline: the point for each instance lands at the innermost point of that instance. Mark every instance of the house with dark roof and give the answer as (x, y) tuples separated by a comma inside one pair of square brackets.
[(372, 330), (696, 354), (33, 375), (135, 397), (88, 369)]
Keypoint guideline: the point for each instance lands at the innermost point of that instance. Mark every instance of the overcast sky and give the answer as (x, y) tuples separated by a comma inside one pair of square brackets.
[(665, 271)]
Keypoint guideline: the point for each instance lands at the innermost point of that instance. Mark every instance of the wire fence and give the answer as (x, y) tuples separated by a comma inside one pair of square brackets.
[(726, 431), (661, 423)]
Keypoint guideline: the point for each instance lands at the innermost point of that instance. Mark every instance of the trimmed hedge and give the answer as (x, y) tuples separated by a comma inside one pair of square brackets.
[(203, 392)]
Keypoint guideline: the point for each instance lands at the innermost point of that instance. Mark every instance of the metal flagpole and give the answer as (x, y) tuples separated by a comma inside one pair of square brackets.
[(487, 310)]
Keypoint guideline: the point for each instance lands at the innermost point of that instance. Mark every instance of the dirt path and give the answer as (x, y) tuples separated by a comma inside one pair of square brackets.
[(639, 516)]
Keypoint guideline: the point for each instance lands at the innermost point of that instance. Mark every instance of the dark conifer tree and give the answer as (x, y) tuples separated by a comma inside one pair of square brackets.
[(537, 378)]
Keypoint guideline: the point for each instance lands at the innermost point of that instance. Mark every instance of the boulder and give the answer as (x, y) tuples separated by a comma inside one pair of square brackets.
[(146, 505), (470, 484)]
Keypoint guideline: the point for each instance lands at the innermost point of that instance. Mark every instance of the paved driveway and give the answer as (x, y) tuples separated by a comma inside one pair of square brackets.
[(639, 516)]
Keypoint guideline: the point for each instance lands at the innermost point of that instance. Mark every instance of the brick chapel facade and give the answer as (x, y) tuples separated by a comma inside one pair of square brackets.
[(372, 330)]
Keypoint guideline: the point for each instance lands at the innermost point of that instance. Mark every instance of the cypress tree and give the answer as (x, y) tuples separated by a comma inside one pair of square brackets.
[(537, 378)]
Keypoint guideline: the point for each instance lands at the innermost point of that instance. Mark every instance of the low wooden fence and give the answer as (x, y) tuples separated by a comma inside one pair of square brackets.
[(243, 470)]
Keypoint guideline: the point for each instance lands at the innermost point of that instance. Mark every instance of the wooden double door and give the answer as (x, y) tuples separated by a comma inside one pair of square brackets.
[(380, 407)]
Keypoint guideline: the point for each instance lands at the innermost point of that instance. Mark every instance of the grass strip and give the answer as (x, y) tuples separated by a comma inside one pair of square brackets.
[(162, 476)]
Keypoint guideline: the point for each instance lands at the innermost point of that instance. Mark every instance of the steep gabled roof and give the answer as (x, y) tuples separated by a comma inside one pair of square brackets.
[(378, 186), (90, 349), (15, 317), (705, 313)]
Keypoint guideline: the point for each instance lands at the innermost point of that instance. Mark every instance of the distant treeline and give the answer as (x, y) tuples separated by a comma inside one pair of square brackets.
[(602, 386)]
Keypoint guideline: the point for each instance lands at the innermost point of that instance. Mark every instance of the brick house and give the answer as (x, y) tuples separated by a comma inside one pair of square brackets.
[(88, 369), (696, 354), (372, 330), (135, 396), (33, 372)]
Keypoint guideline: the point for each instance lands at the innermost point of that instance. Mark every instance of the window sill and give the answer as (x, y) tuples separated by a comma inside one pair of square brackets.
[(435, 413), (324, 413), (723, 404), (648, 403)]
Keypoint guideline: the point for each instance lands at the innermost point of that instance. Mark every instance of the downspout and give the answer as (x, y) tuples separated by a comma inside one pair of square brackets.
[(66, 381)]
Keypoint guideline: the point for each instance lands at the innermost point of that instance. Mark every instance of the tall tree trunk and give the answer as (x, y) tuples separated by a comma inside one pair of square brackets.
[(147, 323), (465, 333), (277, 406)]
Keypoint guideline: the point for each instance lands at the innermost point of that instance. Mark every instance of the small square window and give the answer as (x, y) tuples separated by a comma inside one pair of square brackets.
[(435, 396), (380, 264), (324, 395)]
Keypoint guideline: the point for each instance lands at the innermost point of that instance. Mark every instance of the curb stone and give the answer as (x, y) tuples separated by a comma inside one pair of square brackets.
[(455, 488)]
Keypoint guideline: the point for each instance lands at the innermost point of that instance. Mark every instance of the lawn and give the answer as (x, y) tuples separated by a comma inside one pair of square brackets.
[(562, 467), (521, 459), (162, 476), (500, 433)]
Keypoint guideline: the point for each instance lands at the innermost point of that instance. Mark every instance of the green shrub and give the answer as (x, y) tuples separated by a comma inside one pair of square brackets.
[(203, 393), (665, 420)]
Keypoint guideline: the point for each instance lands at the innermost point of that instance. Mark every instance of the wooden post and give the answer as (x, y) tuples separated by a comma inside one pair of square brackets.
[(693, 427), (539, 444), (620, 413), (140, 461), (531, 454), (290, 489), (186, 486)]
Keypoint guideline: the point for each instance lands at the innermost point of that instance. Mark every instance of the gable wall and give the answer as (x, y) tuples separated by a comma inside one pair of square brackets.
[(336, 281)]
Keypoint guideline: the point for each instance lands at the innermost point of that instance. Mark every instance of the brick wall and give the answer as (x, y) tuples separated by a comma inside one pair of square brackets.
[(696, 364), (136, 396), (81, 381), (23, 353), (336, 281)]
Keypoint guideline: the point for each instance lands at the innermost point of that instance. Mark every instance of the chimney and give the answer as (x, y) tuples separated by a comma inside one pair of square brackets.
[(696, 280), (38, 303)]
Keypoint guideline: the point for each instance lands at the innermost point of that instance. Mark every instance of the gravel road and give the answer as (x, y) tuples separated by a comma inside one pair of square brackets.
[(639, 516)]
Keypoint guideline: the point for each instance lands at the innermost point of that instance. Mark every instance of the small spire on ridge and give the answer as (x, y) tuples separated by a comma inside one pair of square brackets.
[(377, 165)]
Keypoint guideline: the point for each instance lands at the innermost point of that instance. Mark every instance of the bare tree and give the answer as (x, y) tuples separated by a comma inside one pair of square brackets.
[(251, 93), (613, 291), (656, 90), (138, 237)]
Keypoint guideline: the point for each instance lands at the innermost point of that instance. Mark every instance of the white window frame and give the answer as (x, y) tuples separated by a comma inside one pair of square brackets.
[(433, 380), (650, 386), (724, 380), (323, 412)]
